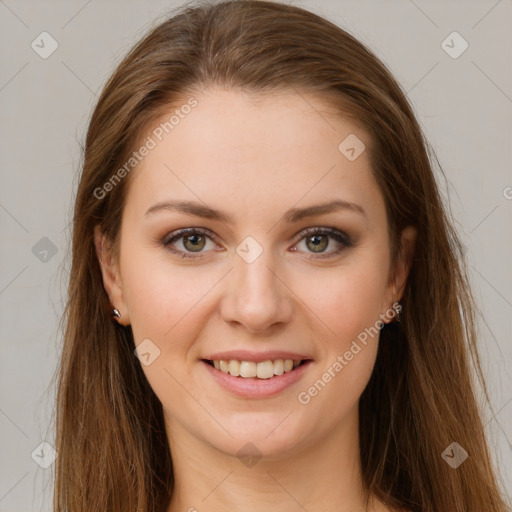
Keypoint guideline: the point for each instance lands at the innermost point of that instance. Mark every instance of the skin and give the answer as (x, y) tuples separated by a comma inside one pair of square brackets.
[(255, 157)]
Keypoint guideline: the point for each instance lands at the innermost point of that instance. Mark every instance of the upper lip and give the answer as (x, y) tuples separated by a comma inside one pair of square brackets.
[(247, 355)]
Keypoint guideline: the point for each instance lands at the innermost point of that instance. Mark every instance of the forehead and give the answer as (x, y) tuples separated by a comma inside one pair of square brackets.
[(254, 151)]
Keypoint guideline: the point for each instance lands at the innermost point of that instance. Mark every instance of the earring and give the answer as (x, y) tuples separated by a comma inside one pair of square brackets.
[(398, 312), (115, 313)]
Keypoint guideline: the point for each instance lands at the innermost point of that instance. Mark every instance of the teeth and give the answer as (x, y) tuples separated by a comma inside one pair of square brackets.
[(234, 368), (247, 369), (265, 370), (279, 367), (262, 370)]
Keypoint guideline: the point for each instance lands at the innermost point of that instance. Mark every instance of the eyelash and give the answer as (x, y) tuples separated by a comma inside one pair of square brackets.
[(339, 236)]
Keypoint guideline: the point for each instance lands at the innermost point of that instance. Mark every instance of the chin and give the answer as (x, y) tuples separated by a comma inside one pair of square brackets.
[(265, 434)]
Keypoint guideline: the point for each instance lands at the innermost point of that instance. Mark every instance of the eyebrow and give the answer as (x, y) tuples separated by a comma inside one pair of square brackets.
[(290, 216)]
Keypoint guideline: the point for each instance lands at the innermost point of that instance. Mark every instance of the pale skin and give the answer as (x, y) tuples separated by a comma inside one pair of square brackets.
[(255, 157)]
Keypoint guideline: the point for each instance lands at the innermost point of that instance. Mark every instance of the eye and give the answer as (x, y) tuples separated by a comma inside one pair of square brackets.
[(194, 240), (316, 240)]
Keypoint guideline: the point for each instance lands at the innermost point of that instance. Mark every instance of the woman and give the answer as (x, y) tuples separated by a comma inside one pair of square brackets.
[(268, 304)]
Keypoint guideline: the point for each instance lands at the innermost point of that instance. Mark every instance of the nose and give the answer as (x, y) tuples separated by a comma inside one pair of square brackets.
[(256, 295)]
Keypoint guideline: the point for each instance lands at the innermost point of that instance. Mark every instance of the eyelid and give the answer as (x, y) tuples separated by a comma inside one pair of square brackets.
[(178, 233), (325, 230)]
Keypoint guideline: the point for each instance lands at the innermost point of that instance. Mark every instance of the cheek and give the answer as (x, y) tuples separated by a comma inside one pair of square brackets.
[(347, 300), (152, 299), (165, 300), (348, 308), (165, 303)]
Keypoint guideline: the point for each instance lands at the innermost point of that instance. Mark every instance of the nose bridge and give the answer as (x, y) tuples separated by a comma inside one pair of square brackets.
[(257, 297), (255, 277)]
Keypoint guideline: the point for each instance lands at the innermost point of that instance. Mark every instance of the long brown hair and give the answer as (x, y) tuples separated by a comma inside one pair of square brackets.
[(113, 453)]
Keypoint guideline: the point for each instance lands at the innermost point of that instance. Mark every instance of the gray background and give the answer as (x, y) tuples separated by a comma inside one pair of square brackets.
[(463, 104)]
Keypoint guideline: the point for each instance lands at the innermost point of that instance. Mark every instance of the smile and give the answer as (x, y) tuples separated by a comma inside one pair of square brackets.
[(256, 379), (250, 369)]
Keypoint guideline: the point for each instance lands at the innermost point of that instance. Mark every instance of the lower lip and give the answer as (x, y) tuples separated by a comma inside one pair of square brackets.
[(254, 387)]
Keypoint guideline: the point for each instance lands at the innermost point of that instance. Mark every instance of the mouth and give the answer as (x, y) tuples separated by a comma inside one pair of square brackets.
[(262, 370)]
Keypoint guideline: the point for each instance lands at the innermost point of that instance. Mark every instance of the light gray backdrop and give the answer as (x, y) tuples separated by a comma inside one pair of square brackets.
[(462, 97)]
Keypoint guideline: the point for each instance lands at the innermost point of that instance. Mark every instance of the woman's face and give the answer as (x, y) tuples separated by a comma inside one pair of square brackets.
[(253, 285)]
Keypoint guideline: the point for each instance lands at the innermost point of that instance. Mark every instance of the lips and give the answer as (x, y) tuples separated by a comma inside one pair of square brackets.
[(257, 374), (266, 386)]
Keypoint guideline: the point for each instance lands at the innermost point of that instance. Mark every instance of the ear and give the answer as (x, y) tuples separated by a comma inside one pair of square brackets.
[(403, 265), (111, 275)]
